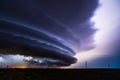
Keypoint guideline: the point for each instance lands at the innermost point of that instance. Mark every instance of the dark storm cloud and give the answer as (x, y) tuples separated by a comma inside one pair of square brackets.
[(12, 36), (33, 35), (57, 28)]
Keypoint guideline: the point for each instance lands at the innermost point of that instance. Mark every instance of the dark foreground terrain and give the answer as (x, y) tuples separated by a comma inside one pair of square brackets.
[(59, 74)]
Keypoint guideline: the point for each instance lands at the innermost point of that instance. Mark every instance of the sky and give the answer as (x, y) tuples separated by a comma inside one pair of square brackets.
[(60, 32), (106, 52)]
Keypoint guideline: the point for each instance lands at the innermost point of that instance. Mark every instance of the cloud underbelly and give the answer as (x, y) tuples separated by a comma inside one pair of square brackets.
[(30, 43)]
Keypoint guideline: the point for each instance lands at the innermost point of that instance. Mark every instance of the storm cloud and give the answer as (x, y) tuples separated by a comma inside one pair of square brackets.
[(47, 28)]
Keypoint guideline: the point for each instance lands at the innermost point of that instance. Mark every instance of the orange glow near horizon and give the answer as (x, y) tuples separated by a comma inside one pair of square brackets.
[(20, 66)]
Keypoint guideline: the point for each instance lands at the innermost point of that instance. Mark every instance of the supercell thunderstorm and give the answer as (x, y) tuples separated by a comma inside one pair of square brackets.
[(45, 32)]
